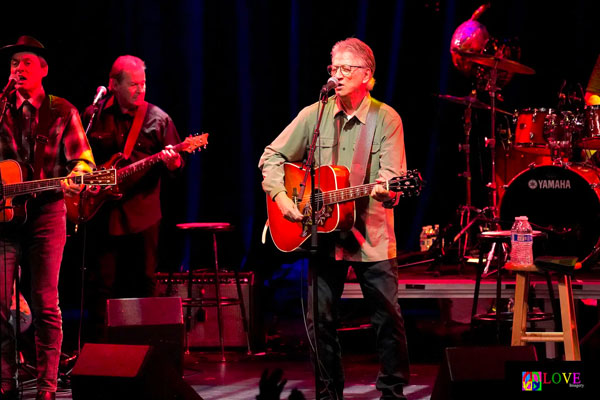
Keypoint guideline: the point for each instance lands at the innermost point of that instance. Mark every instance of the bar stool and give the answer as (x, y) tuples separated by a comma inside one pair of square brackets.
[(195, 229), (568, 335), (497, 241)]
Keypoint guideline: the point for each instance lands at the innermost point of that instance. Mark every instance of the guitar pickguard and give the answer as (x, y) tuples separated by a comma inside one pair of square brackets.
[(321, 216)]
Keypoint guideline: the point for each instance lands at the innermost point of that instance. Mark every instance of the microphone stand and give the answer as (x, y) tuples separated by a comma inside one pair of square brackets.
[(83, 249), (314, 242), (4, 102)]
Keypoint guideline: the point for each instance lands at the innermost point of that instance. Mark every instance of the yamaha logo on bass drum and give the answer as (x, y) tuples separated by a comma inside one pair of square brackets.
[(549, 184)]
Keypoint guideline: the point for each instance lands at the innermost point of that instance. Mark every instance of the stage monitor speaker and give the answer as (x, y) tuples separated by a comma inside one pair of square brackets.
[(477, 372), (125, 372), (204, 331), (156, 321)]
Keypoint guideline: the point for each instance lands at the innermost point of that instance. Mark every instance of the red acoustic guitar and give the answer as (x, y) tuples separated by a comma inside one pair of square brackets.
[(84, 206), (334, 198)]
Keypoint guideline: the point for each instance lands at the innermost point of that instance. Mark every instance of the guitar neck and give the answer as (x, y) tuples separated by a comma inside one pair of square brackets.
[(143, 164), (31, 187), (137, 166), (347, 194)]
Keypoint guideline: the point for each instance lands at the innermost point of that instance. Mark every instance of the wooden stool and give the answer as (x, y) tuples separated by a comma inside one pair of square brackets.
[(218, 301), (568, 336), (497, 241)]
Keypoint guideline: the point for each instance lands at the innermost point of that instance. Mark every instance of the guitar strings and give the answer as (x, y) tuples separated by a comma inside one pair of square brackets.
[(334, 194)]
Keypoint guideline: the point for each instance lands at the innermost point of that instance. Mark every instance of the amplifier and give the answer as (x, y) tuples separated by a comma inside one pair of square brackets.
[(204, 331)]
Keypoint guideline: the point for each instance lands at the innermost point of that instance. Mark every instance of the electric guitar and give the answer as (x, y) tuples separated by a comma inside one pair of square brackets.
[(336, 211), (81, 208), (13, 189)]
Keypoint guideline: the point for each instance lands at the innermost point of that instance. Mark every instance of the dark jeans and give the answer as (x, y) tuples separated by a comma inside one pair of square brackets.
[(379, 285), (37, 245)]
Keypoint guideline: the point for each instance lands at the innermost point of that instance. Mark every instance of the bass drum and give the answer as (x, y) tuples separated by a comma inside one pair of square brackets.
[(510, 162), (563, 201)]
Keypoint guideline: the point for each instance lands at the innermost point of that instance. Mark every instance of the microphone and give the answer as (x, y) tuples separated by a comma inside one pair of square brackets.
[(9, 87), (332, 83), (100, 92)]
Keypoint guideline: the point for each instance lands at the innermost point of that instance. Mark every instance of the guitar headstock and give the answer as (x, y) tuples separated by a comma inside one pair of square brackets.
[(194, 142), (101, 177), (410, 184)]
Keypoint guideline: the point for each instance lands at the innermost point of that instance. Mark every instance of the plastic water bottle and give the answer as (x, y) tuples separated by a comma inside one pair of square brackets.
[(521, 242)]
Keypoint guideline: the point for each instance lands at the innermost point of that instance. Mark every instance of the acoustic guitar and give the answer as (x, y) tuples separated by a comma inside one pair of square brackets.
[(14, 191), (334, 199)]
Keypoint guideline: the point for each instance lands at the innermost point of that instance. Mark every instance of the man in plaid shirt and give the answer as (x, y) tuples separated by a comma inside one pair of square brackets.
[(44, 134)]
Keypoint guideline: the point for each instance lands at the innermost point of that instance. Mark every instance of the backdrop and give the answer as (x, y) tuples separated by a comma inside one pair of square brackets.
[(241, 70)]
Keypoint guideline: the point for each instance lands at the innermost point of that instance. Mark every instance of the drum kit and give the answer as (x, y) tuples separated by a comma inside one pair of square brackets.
[(539, 168)]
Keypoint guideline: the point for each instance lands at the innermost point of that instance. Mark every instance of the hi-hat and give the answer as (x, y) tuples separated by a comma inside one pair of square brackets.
[(470, 100), (500, 63)]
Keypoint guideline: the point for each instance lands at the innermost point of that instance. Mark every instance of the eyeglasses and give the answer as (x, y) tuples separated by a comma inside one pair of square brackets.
[(345, 69)]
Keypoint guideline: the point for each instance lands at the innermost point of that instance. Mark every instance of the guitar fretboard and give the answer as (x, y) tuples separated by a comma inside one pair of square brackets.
[(143, 164), (346, 194), (30, 187)]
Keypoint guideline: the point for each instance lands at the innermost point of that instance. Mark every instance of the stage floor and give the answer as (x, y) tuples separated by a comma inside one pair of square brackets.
[(237, 379), (450, 281), (432, 324)]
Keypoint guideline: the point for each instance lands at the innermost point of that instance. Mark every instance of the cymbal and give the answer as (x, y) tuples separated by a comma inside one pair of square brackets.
[(500, 63), (465, 101)]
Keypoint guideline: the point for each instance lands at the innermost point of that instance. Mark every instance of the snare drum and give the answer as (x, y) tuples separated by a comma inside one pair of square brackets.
[(591, 131), (529, 132)]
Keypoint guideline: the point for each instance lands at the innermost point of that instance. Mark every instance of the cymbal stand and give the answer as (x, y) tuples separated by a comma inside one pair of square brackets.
[(465, 211), (491, 142), (461, 240)]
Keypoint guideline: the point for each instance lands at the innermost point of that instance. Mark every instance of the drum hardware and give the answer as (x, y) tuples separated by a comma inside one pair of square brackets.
[(468, 48), (472, 101), (496, 62), (465, 211), (466, 222), (558, 162), (591, 128)]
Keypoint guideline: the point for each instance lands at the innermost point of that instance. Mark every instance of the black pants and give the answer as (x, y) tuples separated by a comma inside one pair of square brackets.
[(379, 285), (120, 267)]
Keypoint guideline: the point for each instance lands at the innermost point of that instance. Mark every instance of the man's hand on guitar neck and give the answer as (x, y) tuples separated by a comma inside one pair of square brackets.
[(288, 208), (71, 188), (380, 193), (171, 158)]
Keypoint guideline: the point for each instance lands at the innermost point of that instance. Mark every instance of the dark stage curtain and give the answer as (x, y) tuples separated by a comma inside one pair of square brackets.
[(241, 70)]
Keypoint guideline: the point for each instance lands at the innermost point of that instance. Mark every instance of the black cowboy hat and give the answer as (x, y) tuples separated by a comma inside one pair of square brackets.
[(25, 44)]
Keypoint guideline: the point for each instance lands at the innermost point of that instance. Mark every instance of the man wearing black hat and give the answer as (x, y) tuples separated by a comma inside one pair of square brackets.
[(44, 134)]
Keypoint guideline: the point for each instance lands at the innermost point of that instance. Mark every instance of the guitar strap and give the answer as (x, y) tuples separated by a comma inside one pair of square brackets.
[(136, 127), (41, 136), (364, 143)]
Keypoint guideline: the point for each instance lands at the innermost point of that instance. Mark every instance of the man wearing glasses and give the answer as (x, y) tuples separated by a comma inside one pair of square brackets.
[(370, 247)]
